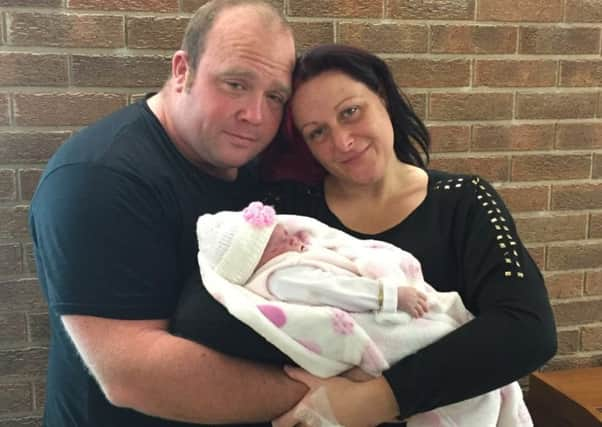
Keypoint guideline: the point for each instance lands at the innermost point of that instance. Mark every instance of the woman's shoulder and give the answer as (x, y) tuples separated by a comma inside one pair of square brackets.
[(457, 184), (448, 180)]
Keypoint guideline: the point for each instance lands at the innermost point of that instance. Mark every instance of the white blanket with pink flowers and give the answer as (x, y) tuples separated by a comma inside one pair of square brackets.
[(327, 341)]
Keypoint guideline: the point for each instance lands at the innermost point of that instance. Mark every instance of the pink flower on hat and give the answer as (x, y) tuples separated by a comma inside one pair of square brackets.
[(259, 215)]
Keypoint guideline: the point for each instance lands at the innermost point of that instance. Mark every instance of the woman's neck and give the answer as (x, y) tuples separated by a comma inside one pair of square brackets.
[(373, 208), (391, 185)]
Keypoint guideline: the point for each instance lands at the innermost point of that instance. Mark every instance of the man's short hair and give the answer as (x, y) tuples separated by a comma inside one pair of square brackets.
[(195, 36)]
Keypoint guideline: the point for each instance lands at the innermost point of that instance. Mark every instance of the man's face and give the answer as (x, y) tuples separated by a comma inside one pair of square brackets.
[(232, 108)]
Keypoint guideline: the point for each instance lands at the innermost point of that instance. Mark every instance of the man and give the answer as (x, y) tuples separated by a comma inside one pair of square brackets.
[(113, 226)]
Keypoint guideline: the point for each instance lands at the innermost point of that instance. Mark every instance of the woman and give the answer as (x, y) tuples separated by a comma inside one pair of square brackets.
[(370, 152)]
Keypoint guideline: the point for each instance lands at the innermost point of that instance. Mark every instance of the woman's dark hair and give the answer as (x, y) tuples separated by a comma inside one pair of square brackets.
[(411, 138)]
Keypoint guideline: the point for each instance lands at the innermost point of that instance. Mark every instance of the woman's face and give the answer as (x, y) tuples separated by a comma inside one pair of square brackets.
[(346, 127)]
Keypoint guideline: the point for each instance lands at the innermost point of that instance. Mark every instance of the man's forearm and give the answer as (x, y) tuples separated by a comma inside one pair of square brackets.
[(181, 380)]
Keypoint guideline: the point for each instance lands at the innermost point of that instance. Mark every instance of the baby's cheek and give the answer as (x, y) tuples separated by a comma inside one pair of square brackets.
[(303, 236)]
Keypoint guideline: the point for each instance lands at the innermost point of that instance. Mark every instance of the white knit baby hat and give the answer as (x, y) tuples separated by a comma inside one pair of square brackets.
[(233, 242)]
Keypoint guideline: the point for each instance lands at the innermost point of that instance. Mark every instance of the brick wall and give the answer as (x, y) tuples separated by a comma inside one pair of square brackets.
[(511, 90)]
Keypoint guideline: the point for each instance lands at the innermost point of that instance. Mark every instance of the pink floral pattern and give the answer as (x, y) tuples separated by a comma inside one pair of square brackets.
[(274, 314), (342, 322), (312, 346)]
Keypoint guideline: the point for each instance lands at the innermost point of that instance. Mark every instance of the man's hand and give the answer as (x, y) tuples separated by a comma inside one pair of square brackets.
[(139, 365), (338, 401)]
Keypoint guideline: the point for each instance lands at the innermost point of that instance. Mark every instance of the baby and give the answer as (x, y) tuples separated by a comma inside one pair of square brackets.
[(332, 302), (257, 237)]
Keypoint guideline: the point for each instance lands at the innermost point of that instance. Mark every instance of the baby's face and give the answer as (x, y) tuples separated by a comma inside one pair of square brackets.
[(281, 241)]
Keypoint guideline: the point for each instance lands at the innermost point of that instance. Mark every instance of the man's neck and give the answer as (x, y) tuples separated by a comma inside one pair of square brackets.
[(156, 103)]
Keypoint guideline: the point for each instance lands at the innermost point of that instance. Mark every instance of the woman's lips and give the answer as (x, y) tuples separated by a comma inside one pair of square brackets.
[(353, 156)]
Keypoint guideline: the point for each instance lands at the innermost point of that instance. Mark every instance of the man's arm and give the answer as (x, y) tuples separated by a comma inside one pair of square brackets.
[(139, 365)]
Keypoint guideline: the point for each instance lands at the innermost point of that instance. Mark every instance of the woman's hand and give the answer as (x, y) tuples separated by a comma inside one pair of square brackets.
[(339, 402)]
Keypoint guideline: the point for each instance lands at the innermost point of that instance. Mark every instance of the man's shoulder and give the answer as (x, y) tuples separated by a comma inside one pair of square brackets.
[(98, 139)]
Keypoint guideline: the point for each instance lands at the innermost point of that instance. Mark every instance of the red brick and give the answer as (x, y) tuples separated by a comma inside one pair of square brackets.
[(336, 8), (310, 34), (13, 329), (505, 73), (13, 223), (525, 198), (491, 168), (142, 71), (22, 295), (471, 106), (445, 139), (584, 11), (430, 73), (444, 9), (65, 109), (26, 69), (418, 103), (593, 283), (10, 261), (8, 185), (23, 147), (29, 263), (552, 228), (192, 5), (4, 110), (556, 40), (591, 338), (574, 256), (15, 398), (39, 395), (512, 137), (564, 285), (385, 38), (520, 10), (18, 362), (597, 166), (576, 197), (65, 30), (579, 135), (538, 167), (575, 362), (580, 73), (32, 3), (556, 106), (28, 179), (577, 312), (39, 328), (568, 341), (538, 253), (130, 5), (595, 226), (479, 39), (156, 32)]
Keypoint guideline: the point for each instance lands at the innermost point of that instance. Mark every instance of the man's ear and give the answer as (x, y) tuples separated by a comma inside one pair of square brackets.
[(180, 69)]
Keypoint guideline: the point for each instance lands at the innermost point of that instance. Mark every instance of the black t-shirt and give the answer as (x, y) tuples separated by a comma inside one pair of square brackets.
[(113, 225)]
